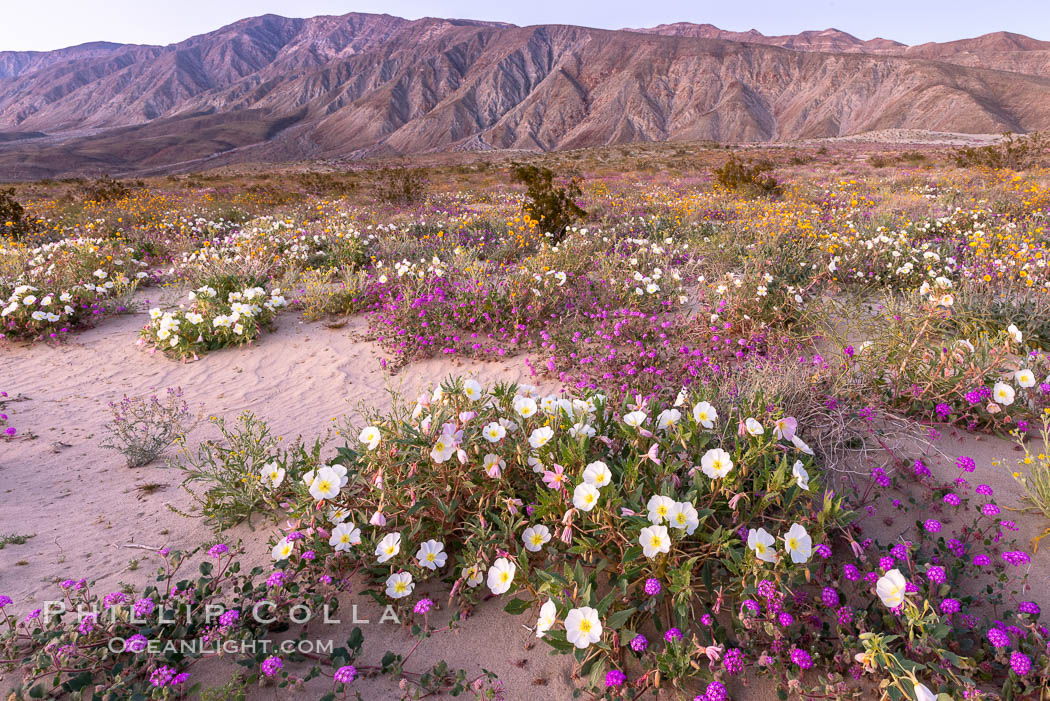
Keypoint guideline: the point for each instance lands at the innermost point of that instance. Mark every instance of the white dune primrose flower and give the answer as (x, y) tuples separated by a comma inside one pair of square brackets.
[(659, 508), (370, 436), (654, 540), (283, 549), (535, 537), (548, 614), (344, 535), (891, 588), (684, 516), (798, 543), (761, 542), (800, 474), (432, 554), (597, 473), (582, 627), (325, 484), (705, 414), (585, 496), (1003, 393), (272, 475), (716, 463), (541, 436), (1025, 378), (493, 432), (399, 585), (389, 546), (501, 575)]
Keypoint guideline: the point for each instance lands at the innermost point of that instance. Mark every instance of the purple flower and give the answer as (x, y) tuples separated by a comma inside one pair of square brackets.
[(950, 606), (1020, 663), (998, 638), (162, 676), (824, 551), (966, 463), (733, 661), (952, 499), (228, 618), (136, 643), (218, 550), (932, 525), (276, 579), (850, 572), (801, 658), (716, 691), (936, 575), (672, 635), (614, 678), (750, 606), (345, 675), (1017, 557), (4, 601), (271, 665), (652, 586), (982, 560), (785, 619), (639, 643), (1029, 607), (143, 608), (829, 597), (985, 490), (844, 615), (990, 510), (423, 606)]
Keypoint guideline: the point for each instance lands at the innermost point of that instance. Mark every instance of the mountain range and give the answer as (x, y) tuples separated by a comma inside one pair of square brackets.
[(278, 89)]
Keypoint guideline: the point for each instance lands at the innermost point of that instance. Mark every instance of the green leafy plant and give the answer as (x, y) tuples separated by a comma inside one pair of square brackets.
[(552, 206)]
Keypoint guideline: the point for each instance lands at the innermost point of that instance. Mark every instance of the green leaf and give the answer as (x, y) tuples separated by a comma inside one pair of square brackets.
[(516, 607), (617, 620)]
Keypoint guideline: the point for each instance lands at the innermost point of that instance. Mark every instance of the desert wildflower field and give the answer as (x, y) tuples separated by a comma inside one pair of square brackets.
[(664, 422)]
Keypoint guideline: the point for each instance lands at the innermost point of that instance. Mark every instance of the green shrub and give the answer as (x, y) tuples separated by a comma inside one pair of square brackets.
[(12, 214), (552, 206), (1012, 152), (401, 185), (748, 177)]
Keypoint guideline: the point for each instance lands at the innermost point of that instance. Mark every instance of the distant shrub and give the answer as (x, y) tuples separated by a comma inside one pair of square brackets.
[(1012, 152), (552, 206), (12, 214), (401, 185), (107, 189), (910, 157), (748, 177), (326, 184)]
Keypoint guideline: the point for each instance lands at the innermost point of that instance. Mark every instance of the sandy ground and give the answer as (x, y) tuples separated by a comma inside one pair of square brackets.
[(84, 507)]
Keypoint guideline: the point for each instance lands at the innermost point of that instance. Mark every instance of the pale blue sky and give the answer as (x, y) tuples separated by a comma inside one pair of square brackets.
[(52, 24)]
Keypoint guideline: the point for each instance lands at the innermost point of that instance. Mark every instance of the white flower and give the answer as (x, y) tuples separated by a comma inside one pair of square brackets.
[(444, 447), (597, 473), (797, 441), (337, 515), (432, 554), (472, 390), (283, 549), (753, 427), (585, 496), (399, 585), (1025, 378), (494, 465), (659, 508), (535, 537), (716, 463), (273, 475), (474, 575), (325, 484), (389, 546), (582, 627), (541, 436), (548, 612), (635, 419), (801, 476), (798, 543), (501, 575), (668, 418), (1003, 393), (683, 515), (370, 436), (654, 539), (344, 535), (891, 588), (1015, 332), (493, 432), (705, 414), (923, 693), (582, 429), (525, 406), (761, 542)]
